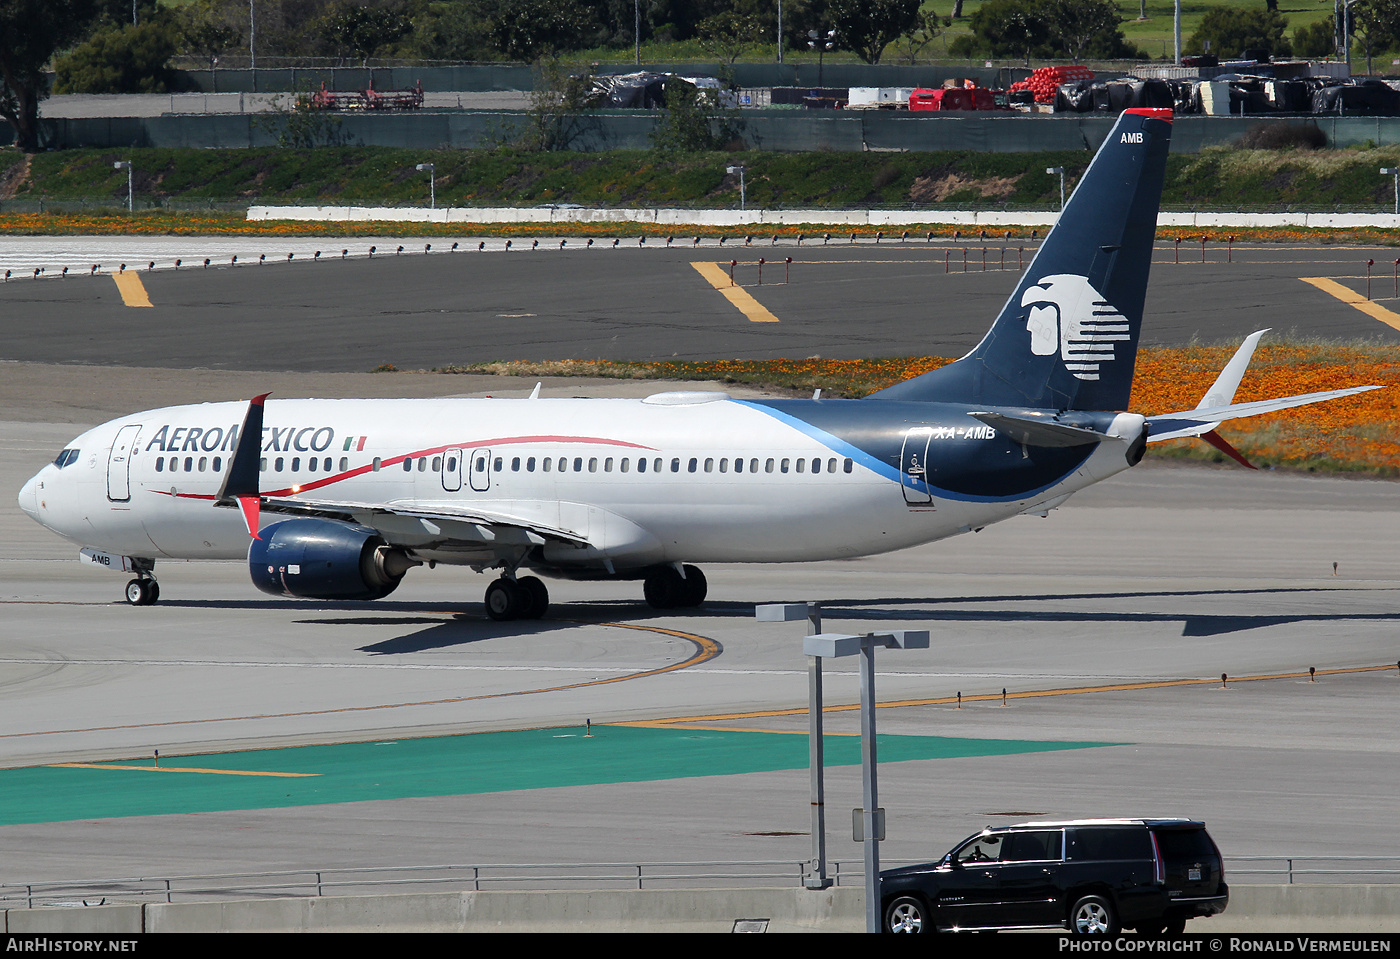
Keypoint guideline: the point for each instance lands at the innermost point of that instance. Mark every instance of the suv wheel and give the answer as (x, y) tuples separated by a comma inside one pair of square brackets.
[(1093, 916), (907, 914)]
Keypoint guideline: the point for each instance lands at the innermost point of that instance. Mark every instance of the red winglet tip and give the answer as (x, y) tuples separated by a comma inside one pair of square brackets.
[(1156, 113), (250, 505), (258, 400)]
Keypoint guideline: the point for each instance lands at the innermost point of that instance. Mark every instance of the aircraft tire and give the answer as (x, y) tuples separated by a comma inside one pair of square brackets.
[(663, 588), (537, 597), (142, 592), (695, 587), (505, 600)]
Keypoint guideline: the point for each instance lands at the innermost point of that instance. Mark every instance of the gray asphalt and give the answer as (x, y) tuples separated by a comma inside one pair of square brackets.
[(419, 311), (1160, 574)]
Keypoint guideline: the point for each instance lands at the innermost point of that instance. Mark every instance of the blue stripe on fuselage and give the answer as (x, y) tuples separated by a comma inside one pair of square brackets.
[(874, 435)]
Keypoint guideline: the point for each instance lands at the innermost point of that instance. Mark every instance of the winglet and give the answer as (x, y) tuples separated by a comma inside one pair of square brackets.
[(1219, 442), (1222, 391), (240, 486)]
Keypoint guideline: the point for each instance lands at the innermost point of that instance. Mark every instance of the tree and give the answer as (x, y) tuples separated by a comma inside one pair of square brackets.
[(527, 30), (30, 32), (1317, 39), (365, 30), (120, 60), (207, 31), (866, 27), (693, 120), (928, 27), (1076, 25), (1006, 28), (1376, 24), (728, 35), (1232, 30)]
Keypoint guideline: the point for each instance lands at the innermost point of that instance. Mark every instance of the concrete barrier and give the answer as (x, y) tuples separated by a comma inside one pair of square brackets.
[(757, 218), (1290, 908)]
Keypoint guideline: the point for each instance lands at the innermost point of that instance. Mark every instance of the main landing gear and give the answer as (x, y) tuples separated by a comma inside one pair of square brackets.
[(523, 598), (665, 587), (142, 591)]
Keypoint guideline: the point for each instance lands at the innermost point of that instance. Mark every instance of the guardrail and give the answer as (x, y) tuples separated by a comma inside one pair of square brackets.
[(515, 876)]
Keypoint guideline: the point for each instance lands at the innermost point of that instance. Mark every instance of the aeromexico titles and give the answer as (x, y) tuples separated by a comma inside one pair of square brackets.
[(338, 499)]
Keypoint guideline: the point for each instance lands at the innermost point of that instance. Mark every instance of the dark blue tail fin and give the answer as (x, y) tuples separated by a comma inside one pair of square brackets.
[(1067, 339)]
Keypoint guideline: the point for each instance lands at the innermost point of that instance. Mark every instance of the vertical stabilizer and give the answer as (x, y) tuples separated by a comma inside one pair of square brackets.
[(1067, 338)]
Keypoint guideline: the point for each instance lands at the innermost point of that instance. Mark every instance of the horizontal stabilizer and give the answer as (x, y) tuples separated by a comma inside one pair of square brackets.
[(1197, 422), (1033, 430), (1222, 391)]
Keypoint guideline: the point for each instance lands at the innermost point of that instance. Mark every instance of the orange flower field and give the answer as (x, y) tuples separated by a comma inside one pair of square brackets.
[(1353, 434)]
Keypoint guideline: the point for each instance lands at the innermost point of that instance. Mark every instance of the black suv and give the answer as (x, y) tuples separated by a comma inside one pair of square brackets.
[(1088, 876)]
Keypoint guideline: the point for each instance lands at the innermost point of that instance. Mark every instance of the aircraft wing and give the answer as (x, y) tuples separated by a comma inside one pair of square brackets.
[(436, 522), (1198, 422)]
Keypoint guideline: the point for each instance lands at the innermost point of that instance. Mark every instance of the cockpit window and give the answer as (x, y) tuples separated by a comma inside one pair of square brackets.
[(66, 458)]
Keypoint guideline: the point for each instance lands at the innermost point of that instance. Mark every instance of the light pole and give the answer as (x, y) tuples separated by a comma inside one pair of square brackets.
[(739, 170), (432, 183), (1061, 171), (1394, 172), (816, 42), (127, 164), (868, 822)]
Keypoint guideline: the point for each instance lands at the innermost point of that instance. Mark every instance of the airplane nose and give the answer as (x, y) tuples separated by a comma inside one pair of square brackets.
[(29, 498)]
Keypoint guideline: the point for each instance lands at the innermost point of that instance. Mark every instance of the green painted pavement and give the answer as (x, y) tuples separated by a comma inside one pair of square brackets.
[(446, 766)]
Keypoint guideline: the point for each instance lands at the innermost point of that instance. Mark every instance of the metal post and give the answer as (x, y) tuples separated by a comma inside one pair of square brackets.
[(816, 877), (431, 169), (870, 803), (1061, 171), (1394, 172)]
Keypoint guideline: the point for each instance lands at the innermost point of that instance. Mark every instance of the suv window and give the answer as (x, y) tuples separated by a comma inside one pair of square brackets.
[(1031, 847), (1109, 843), (1181, 844), (981, 849)]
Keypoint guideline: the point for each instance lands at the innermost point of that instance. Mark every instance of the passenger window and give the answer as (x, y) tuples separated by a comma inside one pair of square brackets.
[(407, 463), (1109, 843), (709, 464), (437, 464), (310, 464), (277, 464), (296, 464), (738, 464), (530, 465), (849, 464), (607, 465), (724, 465), (592, 464), (578, 464), (515, 464), (160, 464), (981, 849), (623, 464), (831, 465), (784, 467), (544, 466), (656, 465), (641, 464), (768, 466), (801, 465), (1031, 847), (203, 462), (218, 463), (189, 464), (499, 462), (345, 464), (377, 465), (675, 464), (816, 466), (694, 464)]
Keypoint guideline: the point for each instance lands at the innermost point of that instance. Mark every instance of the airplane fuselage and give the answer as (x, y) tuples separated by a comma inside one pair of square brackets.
[(678, 477)]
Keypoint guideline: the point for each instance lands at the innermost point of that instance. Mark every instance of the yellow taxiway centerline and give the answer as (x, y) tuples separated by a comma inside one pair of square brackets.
[(133, 291), (744, 303), (178, 769), (712, 718), (1352, 298)]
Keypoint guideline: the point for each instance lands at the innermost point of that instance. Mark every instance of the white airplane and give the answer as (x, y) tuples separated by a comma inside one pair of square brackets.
[(342, 497)]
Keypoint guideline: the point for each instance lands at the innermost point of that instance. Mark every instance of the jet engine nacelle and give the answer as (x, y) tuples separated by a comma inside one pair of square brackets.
[(321, 559)]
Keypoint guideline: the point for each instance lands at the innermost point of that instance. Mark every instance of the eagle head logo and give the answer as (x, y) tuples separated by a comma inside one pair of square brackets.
[(1069, 315)]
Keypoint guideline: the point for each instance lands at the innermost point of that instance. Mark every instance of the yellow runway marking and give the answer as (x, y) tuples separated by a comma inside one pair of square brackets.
[(133, 291), (178, 769), (1352, 298), (996, 697), (744, 303)]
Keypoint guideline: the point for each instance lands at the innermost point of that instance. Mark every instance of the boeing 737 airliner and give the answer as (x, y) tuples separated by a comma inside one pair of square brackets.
[(338, 499)]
